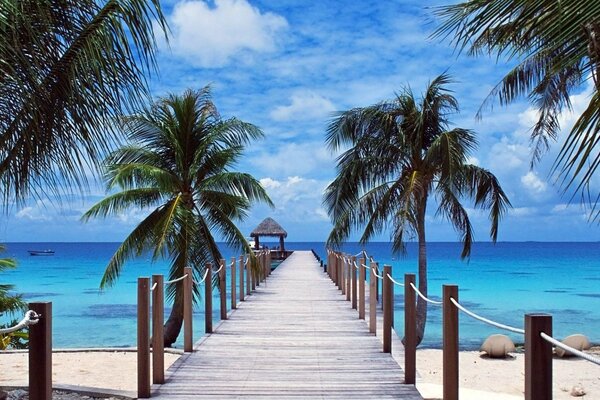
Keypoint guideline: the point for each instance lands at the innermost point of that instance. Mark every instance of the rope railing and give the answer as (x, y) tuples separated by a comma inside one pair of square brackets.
[(377, 276), (485, 320), (569, 349), (219, 270), (203, 278), (421, 295), (154, 286), (395, 281), (176, 280), (30, 318)]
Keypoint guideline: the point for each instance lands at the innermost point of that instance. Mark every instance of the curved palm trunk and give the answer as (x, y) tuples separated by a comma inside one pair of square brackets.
[(175, 321), (421, 304)]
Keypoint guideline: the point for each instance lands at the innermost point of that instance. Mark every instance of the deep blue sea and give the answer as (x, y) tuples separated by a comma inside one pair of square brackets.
[(501, 282)]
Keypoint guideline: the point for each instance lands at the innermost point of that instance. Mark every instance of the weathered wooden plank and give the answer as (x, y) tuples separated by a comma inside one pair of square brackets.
[(295, 337)]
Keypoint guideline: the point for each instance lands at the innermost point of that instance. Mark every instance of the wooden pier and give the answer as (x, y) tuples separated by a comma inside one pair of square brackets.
[(296, 336)]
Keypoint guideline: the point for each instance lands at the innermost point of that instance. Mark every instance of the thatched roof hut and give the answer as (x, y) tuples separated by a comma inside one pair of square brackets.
[(269, 227)]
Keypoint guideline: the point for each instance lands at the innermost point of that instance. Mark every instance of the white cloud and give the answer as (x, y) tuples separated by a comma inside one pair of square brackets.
[(522, 211), (210, 36), (39, 212), (295, 197), (303, 106), (293, 159), (533, 184)]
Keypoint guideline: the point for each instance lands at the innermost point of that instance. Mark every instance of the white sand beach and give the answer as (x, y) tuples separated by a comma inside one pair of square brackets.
[(479, 377), (505, 378), (114, 370)]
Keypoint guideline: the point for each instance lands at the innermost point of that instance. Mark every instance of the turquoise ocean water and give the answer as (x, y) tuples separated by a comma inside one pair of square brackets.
[(501, 282)]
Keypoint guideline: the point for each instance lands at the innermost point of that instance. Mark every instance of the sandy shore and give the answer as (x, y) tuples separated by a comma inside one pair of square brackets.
[(503, 377), (479, 377), (114, 370)]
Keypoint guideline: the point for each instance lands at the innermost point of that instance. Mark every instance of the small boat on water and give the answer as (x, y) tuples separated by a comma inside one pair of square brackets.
[(41, 252)]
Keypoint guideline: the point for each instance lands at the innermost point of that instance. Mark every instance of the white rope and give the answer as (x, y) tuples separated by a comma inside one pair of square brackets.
[(153, 286), (393, 280), (437, 303), (571, 350), (176, 280), (246, 262), (363, 265), (378, 276), (30, 318), (203, 278), (356, 265), (219, 270), (232, 264), (361, 252), (485, 320)]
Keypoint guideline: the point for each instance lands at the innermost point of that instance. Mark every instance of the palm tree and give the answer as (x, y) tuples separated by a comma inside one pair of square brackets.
[(67, 69), (178, 166), (9, 303), (557, 47), (401, 153)]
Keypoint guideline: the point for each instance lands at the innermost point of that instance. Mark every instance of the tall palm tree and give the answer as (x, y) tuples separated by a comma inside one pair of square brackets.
[(557, 47), (67, 69), (401, 154), (178, 166)]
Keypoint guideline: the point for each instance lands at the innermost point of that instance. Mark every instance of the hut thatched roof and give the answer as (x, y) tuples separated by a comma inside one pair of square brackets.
[(269, 227)]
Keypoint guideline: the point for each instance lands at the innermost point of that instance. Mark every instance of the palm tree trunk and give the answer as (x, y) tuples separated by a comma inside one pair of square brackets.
[(421, 304), (175, 321)]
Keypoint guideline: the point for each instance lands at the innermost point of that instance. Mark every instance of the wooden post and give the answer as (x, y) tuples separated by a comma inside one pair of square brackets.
[(340, 272), (410, 330), (143, 338), (450, 346), (158, 341), (334, 267), (361, 288), (353, 282), (223, 289), (388, 308), (188, 307), (208, 308), (348, 278), (253, 273), (40, 353), (248, 267), (233, 284), (241, 266), (343, 274), (373, 300), (538, 357)]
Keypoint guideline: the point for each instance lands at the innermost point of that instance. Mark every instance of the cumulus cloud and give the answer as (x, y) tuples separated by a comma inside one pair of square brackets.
[(38, 212), (293, 159), (295, 197), (303, 105), (533, 183), (209, 36)]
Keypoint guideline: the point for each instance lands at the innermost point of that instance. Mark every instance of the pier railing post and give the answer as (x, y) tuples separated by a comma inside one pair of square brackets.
[(223, 289), (208, 300), (242, 286), (388, 308), (143, 338), (233, 284), (188, 307), (372, 300), (334, 267), (538, 357), (253, 273), (361, 288), (353, 282), (158, 333), (410, 330), (348, 278), (450, 343), (343, 274), (40, 353), (340, 272)]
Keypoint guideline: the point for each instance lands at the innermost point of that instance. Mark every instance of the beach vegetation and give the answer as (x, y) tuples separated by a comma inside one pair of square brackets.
[(68, 69), (10, 304), (556, 48), (178, 167), (397, 156)]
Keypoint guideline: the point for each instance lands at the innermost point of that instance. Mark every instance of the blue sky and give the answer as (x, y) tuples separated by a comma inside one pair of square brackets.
[(286, 66)]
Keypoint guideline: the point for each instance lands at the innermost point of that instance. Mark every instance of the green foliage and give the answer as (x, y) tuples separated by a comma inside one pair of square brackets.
[(14, 340), (557, 46), (68, 68), (400, 153), (178, 167), (9, 303)]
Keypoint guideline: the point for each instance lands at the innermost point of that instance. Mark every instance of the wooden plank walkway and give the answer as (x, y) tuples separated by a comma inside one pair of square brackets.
[(294, 337)]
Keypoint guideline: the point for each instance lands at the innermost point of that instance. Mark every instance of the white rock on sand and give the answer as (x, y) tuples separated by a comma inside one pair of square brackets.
[(107, 370), (478, 376)]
